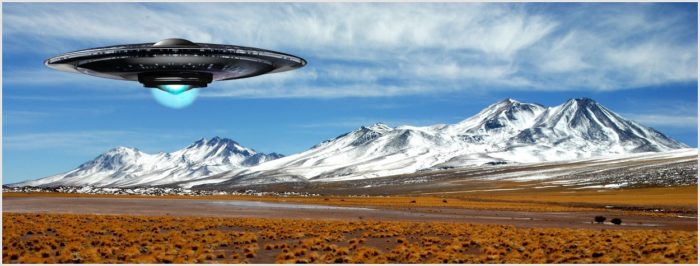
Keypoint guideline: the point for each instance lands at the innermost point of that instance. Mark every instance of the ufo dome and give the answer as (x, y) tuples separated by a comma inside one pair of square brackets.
[(174, 42)]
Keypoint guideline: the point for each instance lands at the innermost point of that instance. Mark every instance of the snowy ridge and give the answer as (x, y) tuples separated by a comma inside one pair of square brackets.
[(129, 167), (505, 132)]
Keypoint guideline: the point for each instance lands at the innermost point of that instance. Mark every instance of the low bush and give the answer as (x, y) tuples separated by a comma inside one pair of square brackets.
[(131, 239), (599, 219)]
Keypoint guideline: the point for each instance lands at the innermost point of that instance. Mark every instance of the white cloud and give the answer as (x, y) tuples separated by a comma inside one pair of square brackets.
[(653, 64), (92, 142), (38, 116), (312, 91), (687, 121), (664, 113), (23, 117), (353, 123), (68, 140), (45, 76), (379, 50)]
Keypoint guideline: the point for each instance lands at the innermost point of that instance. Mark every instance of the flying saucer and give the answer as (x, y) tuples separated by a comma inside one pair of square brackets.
[(175, 65)]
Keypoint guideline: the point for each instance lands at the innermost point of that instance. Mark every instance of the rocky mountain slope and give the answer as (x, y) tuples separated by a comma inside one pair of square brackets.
[(507, 132)]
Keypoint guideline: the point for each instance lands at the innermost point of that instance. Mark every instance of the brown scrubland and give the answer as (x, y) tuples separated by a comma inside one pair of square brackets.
[(70, 238), (37, 237)]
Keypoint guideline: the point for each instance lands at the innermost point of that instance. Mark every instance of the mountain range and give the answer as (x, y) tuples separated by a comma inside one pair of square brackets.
[(505, 132), (129, 167)]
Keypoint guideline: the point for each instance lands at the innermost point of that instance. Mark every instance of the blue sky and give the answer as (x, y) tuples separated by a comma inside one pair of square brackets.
[(417, 64)]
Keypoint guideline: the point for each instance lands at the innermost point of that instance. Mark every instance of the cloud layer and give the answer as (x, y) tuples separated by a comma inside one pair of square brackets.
[(376, 50)]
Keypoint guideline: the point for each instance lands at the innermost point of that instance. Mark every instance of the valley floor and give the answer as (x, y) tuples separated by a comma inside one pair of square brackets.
[(510, 208), (645, 201), (659, 225)]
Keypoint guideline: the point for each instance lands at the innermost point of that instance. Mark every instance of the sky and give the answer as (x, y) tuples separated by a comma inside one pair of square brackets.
[(400, 64)]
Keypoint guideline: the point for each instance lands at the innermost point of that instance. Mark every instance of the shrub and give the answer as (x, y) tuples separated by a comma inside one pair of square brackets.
[(343, 241), (599, 219), (616, 221)]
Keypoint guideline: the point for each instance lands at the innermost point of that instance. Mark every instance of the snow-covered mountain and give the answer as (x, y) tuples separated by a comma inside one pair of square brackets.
[(505, 132), (126, 167)]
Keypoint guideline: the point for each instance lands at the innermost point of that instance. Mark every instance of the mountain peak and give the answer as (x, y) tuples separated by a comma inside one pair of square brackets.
[(582, 106), (217, 146), (215, 141), (219, 140), (379, 126), (199, 142), (583, 101), (509, 101), (363, 135), (122, 149), (582, 122), (509, 104), (505, 115)]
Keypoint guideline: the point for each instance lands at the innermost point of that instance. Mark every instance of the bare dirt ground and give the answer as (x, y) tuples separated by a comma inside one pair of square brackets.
[(256, 209)]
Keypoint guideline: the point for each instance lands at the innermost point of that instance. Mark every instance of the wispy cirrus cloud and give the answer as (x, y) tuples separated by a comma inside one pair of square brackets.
[(41, 115), (24, 117), (356, 122), (67, 139), (684, 121), (383, 50), (96, 141), (669, 114)]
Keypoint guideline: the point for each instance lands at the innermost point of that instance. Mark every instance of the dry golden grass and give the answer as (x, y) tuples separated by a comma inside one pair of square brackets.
[(64, 238), (685, 197)]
